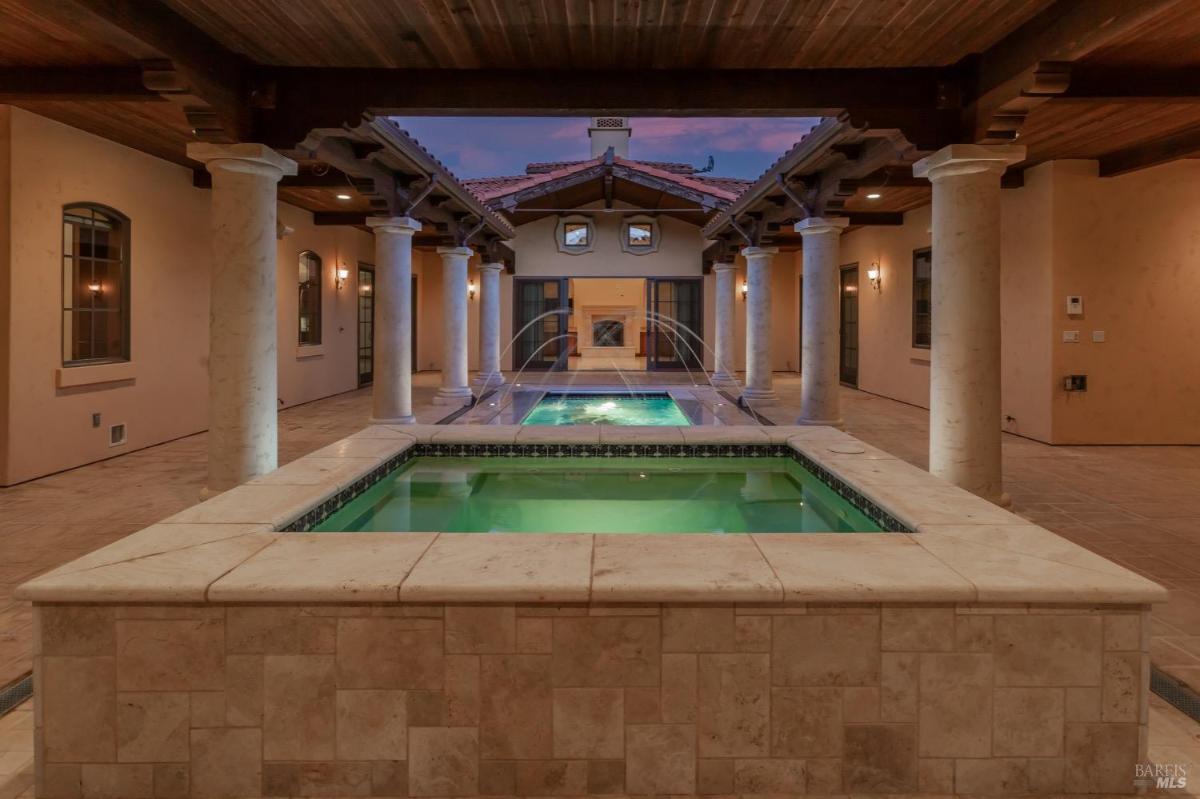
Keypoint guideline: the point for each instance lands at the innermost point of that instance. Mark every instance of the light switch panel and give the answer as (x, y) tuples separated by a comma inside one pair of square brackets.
[(1070, 336), (1098, 336)]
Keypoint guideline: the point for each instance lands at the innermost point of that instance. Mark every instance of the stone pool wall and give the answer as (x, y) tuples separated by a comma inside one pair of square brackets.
[(224, 700)]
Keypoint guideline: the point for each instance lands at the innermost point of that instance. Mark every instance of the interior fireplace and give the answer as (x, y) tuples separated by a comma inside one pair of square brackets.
[(608, 333)]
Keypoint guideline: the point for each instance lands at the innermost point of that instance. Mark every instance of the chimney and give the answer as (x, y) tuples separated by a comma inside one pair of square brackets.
[(611, 132)]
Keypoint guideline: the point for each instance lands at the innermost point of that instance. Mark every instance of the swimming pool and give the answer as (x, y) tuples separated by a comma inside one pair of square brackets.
[(599, 495), (642, 408)]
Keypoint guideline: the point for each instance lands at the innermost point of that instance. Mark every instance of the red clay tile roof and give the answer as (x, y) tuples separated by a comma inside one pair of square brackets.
[(670, 166), (722, 189)]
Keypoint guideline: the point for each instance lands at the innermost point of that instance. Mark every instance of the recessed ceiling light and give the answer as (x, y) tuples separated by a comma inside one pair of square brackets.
[(874, 195), (343, 196)]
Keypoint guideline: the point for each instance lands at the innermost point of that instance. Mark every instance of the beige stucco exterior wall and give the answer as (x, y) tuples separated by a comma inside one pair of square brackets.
[(1130, 245), (46, 428), (49, 428), (311, 372)]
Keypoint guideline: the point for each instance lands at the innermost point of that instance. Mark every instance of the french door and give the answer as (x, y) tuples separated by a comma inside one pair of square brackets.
[(543, 306), (366, 324), (675, 329), (848, 359)]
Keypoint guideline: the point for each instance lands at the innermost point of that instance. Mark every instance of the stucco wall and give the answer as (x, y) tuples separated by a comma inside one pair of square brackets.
[(311, 372), (50, 428), (47, 428), (6, 332), (1130, 246), (678, 252)]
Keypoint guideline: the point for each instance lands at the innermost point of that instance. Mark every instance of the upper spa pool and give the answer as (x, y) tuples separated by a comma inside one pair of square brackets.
[(599, 495), (642, 408)]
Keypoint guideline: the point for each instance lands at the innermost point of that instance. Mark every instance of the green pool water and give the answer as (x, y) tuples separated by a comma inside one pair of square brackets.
[(628, 409), (599, 495)]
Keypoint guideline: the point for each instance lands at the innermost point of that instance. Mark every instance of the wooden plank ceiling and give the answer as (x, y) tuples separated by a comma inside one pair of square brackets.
[(607, 34), (1116, 80)]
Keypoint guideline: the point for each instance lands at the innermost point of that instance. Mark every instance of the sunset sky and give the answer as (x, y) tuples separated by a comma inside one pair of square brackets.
[(480, 147)]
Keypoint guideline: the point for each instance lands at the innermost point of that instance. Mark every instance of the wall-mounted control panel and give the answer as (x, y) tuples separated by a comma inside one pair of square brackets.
[(1075, 383), (1070, 336), (1074, 305)]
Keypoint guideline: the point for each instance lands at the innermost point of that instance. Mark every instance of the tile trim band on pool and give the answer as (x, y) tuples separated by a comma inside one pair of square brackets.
[(321, 512)]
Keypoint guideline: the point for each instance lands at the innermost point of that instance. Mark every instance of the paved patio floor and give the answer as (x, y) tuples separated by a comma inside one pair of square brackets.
[(1139, 506)]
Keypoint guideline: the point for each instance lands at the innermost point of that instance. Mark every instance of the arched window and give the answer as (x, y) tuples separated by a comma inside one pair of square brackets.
[(310, 298), (95, 285)]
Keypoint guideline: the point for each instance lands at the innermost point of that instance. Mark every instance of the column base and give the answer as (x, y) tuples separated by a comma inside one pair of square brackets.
[(724, 380), (758, 394), (840, 424), (452, 396), (394, 420), (487, 379)]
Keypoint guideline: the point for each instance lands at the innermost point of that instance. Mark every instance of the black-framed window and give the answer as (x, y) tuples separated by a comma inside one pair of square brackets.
[(310, 297), (576, 234), (922, 304), (95, 284)]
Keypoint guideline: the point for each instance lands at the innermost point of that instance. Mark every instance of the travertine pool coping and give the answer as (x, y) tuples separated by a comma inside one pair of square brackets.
[(231, 548)]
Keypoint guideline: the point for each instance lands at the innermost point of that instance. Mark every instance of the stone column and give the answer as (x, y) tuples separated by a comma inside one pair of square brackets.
[(964, 381), (489, 325), (820, 376), (243, 436), (454, 389), (723, 340), (391, 391), (758, 323)]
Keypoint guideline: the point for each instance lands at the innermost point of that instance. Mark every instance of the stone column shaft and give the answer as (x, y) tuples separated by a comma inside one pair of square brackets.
[(489, 325), (964, 383), (391, 390), (759, 382), (820, 373), (243, 437), (454, 389), (723, 339)]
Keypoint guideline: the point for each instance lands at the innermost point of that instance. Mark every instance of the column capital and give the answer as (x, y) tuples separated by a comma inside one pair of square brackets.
[(816, 225), (465, 252), (968, 159), (491, 266), (402, 225), (242, 157), (724, 266), (759, 252)]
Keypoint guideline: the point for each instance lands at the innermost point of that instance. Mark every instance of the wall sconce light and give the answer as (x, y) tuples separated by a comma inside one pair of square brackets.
[(342, 274), (471, 290), (873, 275), (745, 289), (94, 288)]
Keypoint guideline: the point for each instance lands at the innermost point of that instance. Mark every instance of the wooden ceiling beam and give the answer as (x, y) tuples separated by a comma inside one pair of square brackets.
[(1094, 84), (1185, 144), (858, 218), (909, 98), (1033, 64), (179, 61), (74, 84)]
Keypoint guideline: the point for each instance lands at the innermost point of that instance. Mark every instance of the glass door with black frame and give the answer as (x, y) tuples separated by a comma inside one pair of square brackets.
[(849, 326), (675, 337), (540, 324), (366, 325)]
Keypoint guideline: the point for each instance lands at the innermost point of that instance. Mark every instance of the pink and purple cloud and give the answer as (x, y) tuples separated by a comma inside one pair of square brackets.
[(488, 146)]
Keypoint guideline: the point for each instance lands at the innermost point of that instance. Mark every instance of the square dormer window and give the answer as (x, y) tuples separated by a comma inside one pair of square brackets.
[(640, 234), (576, 234)]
